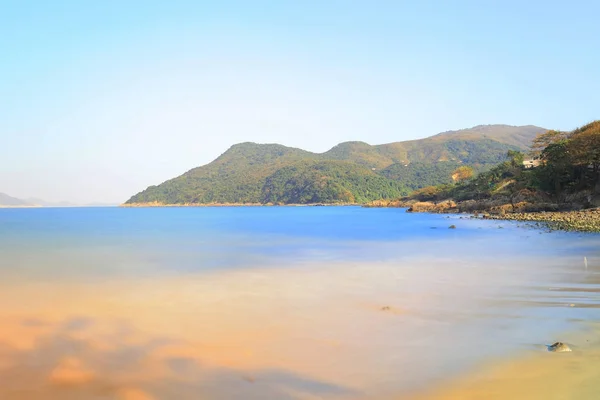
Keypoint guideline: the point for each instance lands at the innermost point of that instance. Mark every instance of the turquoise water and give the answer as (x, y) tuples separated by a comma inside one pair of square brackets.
[(482, 290)]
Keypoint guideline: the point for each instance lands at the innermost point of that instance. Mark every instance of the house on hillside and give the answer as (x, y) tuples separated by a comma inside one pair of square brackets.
[(531, 163)]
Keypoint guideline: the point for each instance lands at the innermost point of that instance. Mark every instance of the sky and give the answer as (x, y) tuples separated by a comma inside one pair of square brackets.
[(99, 100)]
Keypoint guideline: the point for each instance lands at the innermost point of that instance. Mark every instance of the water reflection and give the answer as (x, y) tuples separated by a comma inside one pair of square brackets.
[(71, 360), (317, 331)]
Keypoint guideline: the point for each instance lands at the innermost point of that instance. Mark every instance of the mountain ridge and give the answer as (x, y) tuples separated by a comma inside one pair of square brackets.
[(239, 175)]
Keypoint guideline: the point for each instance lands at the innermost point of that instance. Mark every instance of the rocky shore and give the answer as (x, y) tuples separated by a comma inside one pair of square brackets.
[(547, 213), (580, 221)]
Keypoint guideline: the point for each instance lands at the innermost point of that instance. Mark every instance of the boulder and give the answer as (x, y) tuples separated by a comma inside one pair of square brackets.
[(558, 347)]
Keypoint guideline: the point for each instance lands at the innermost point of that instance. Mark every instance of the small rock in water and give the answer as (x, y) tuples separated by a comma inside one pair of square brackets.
[(452, 227), (558, 347)]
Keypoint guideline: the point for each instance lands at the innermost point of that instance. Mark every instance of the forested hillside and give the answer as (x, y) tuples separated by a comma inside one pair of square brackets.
[(565, 175), (351, 172)]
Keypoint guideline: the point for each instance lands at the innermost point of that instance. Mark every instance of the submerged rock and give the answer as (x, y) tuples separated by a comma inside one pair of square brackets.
[(558, 347), (452, 227)]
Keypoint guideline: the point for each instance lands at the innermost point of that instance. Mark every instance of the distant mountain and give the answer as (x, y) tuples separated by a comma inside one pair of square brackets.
[(43, 203), (518, 136), (8, 201), (349, 172), (99, 205)]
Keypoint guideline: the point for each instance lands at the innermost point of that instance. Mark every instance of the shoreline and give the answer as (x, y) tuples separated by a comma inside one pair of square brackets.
[(159, 205), (577, 221), (586, 220), (573, 221), (532, 374)]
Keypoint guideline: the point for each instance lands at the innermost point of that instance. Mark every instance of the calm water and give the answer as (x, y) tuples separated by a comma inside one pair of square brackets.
[(277, 302)]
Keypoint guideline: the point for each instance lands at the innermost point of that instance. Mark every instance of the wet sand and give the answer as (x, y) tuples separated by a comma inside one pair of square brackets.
[(347, 331), (285, 304), (539, 375)]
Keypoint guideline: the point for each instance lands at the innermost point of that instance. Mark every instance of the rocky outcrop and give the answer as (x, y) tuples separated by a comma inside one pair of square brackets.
[(445, 206), (500, 208), (559, 347), (581, 221), (399, 203)]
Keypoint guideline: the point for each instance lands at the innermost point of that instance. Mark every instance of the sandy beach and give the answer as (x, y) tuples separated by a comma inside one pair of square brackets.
[(272, 334), (335, 304), (534, 375)]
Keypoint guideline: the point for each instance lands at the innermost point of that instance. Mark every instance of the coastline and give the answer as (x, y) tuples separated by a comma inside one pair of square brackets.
[(577, 221), (586, 220), (158, 205)]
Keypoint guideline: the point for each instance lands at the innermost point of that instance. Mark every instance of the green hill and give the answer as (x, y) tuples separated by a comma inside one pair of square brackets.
[(328, 182), (349, 172)]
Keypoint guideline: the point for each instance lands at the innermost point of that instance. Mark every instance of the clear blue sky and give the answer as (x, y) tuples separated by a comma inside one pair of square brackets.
[(101, 99)]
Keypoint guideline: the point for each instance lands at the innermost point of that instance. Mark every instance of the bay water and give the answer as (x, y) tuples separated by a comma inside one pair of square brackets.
[(276, 302)]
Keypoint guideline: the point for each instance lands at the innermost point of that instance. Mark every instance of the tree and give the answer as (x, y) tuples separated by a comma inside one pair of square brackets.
[(514, 169), (545, 139), (461, 174), (557, 167), (584, 151), (584, 148), (515, 159)]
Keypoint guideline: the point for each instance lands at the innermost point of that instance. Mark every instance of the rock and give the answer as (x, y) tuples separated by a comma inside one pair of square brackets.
[(452, 227), (558, 347), (422, 206), (385, 308)]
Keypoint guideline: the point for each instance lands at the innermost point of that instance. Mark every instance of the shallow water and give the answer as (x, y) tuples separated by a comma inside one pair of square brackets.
[(276, 302)]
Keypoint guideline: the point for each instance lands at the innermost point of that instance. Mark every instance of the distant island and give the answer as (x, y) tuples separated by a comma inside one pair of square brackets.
[(7, 201), (349, 173)]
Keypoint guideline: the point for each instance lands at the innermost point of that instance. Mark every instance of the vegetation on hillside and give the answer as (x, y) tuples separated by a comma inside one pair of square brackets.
[(328, 182), (567, 173), (417, 174), (349, 172), (571, 163)]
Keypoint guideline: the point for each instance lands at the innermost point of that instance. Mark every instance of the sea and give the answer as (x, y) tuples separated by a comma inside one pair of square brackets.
[(330, 302)]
